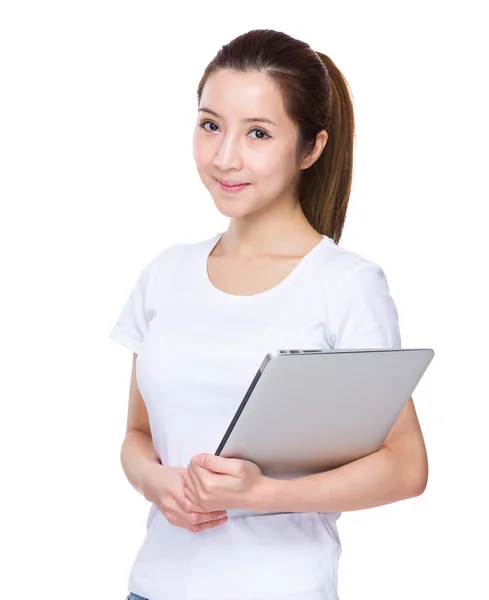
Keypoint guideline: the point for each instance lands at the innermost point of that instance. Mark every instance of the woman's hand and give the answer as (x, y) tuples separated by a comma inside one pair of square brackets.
[(164, 487), (218, 483)]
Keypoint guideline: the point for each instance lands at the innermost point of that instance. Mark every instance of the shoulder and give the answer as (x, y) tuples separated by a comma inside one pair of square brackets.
[(174, 254), (173, 258), (344, 266), (360, 308)]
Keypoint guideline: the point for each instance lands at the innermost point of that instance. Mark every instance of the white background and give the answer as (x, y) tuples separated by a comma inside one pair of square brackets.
[(98, 106)]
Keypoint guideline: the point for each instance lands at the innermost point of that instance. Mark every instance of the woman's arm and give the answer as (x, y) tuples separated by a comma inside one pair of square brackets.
[(138, 457), (397, 471), (137, 450)]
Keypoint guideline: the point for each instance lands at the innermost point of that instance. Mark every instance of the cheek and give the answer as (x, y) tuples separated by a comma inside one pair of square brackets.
[(202, 153), (271, 167)]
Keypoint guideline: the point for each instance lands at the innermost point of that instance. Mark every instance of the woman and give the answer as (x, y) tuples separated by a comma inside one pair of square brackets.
[(273, 144)]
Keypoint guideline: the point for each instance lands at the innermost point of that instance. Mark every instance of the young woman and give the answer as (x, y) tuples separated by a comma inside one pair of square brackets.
[(273, 144)]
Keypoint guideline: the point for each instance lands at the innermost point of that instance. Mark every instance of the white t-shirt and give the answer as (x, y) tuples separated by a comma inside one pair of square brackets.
[(198, 350)]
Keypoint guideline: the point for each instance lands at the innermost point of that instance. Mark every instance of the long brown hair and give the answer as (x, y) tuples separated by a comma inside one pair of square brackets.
[(315, 96)]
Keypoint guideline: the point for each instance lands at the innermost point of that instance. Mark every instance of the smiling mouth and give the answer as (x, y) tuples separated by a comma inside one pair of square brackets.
[(231, 183), (231, 189)]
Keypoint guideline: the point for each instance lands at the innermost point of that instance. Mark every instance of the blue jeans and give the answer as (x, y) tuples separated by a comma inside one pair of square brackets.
[(133, 596)]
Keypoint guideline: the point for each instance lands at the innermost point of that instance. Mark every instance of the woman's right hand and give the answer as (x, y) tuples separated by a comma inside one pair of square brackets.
[(164, 487)]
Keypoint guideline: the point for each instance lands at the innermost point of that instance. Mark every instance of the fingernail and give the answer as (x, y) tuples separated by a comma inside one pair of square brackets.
[(221, 515)]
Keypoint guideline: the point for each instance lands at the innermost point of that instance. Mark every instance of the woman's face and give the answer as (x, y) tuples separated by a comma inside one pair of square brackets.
[(232, 145)]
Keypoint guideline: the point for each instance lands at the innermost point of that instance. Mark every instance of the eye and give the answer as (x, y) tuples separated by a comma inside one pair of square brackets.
[(261, 131), (204, 123)]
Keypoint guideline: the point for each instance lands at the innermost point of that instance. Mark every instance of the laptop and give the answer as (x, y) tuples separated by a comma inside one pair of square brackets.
[(308, 411)]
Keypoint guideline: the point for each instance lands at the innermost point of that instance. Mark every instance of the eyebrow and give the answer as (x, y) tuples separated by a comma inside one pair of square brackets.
[(247, 120)]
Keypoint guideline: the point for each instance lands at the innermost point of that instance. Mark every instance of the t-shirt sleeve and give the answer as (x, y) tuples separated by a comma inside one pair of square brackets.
[(136, 314), (364, 314)]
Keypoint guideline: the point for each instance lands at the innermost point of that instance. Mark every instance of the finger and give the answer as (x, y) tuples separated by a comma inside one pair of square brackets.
[(189, 495), (192, 500), (208, 525), (219, 464), (195, 481), (196, 518), (181, 504), (201, 476), (195, 515), (190, 483)]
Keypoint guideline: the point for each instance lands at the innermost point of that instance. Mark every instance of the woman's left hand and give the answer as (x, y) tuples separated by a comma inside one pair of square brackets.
[(218, 483)]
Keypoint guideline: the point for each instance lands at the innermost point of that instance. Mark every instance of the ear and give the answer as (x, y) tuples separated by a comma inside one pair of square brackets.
[(311, 158)]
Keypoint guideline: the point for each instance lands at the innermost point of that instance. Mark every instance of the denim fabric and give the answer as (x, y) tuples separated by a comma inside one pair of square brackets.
[(135, 597)]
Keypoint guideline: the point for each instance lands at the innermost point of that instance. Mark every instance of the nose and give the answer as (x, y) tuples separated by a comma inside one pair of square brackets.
[(228, 155)]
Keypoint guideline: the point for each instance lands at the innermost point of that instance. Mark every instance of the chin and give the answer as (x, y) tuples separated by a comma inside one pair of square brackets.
[(231, 210)]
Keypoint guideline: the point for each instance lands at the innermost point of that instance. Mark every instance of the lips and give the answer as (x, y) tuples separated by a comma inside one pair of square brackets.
[(232, 183)]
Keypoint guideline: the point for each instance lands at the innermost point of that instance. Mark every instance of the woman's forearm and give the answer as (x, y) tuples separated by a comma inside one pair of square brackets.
[(137, 455), (380, 478)]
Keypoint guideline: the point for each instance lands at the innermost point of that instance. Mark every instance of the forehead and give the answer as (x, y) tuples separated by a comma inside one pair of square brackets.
[(242, 95)]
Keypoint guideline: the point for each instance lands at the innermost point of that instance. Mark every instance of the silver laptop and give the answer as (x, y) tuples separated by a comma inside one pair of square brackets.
[(308, 411)]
